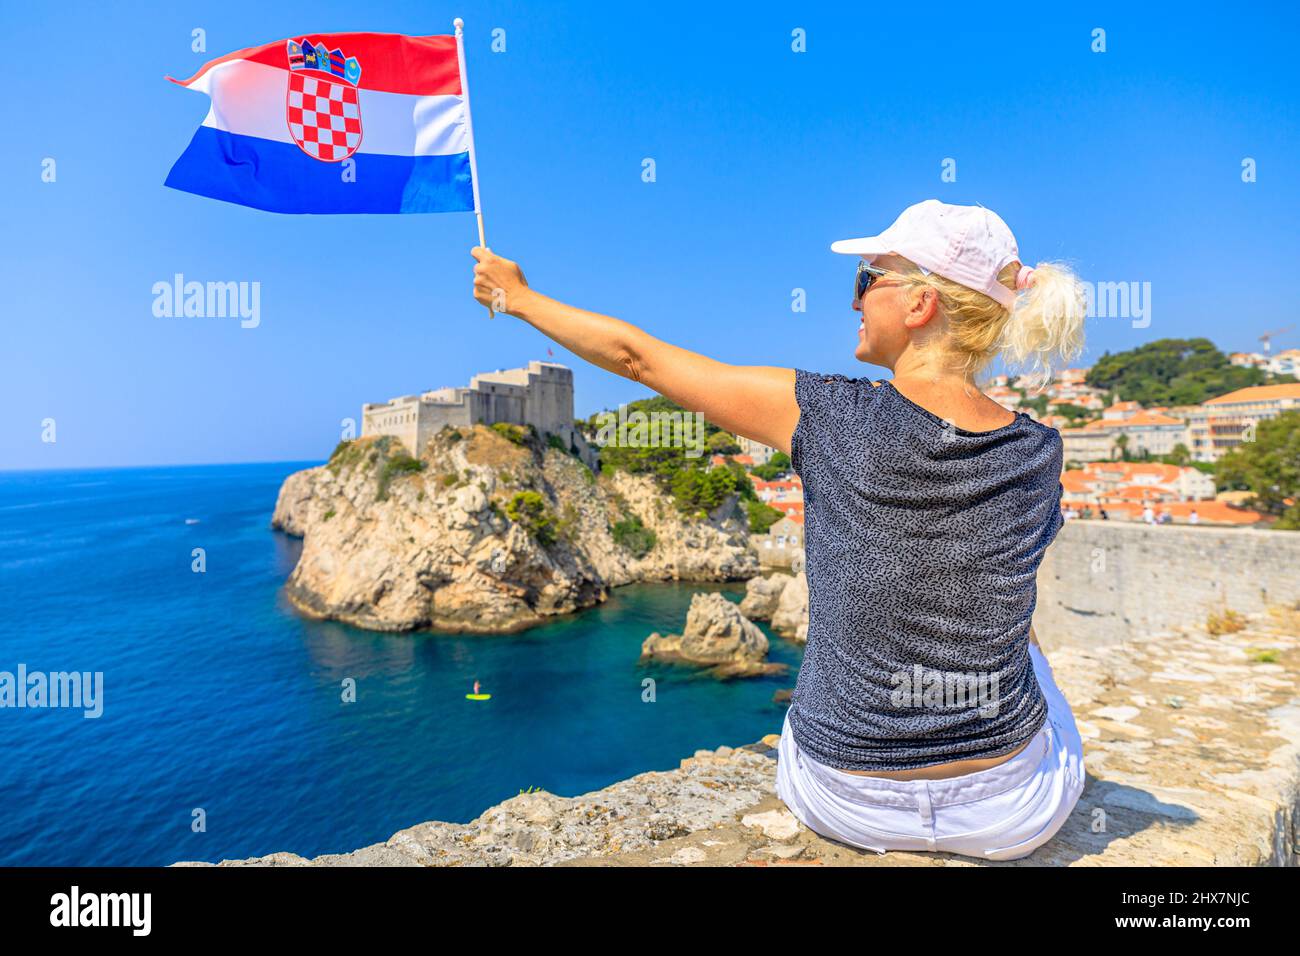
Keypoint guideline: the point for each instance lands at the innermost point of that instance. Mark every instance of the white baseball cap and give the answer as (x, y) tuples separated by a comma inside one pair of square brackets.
[(967, 244)]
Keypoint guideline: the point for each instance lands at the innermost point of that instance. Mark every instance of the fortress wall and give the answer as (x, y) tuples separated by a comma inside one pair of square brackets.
[(540, 395), (400, 421), (1102, 580), (552, 401), (433, 418)]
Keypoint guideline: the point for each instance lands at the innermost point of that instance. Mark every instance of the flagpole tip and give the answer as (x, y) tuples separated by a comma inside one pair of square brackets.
[(458, 23)]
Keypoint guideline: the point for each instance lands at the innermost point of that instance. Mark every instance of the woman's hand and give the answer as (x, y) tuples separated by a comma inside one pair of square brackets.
[(498, 283)]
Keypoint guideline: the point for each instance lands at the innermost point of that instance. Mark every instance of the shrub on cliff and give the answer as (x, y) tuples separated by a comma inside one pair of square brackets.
[(516, 434), (528, 510), (400, 464), (634, 537), (345, 455)]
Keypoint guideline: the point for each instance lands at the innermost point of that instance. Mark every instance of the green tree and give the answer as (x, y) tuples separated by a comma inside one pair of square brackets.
[(668, 447), (1121, 442), (1072, 412), (1171, 372), (762, 516), (776, 466), (1038, 403), (722, 443), (1269, 467)]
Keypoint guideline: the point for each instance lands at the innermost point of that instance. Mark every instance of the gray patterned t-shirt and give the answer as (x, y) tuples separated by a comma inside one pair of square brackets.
[(922, 542)]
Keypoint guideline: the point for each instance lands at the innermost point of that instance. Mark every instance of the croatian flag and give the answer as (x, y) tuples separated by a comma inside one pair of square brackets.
[(335, 123)]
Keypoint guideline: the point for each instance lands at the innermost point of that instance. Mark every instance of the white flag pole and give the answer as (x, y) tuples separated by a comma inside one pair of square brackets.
[(459, 24)]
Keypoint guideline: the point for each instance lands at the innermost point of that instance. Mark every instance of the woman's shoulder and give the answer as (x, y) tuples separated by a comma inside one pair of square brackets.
[(831, 390), (1044, 433)]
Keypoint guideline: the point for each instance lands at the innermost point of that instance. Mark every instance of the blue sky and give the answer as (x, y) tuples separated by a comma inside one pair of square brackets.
[(1126, 163)]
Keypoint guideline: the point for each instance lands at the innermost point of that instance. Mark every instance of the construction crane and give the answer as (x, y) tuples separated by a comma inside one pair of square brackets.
[(1268, 337)]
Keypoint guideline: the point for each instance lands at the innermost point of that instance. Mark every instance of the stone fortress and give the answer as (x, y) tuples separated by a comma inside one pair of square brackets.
[(540, 395)]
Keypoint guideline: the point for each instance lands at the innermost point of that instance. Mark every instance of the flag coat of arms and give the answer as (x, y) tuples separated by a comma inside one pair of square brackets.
[(335, 123)]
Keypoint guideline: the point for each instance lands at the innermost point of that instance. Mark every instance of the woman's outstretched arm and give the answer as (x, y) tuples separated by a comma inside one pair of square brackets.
[(756, 401)]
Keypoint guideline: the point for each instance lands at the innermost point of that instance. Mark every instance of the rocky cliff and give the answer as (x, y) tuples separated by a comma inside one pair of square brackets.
[(489, 530)]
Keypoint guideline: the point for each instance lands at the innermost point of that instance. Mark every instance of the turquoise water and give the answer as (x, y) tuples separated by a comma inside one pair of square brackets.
[(218, 696)]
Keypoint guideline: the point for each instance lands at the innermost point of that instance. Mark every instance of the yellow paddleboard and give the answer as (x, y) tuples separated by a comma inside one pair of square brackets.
[(478, 696)]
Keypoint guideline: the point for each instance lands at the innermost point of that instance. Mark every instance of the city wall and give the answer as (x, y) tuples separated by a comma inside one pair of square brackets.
[(1102, 580)]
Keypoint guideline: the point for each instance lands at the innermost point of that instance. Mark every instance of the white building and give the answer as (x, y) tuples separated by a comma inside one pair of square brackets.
[(1221, 424), (1248, 359), (760, 453), (1148, 432), (783, 545), (1285, 363)]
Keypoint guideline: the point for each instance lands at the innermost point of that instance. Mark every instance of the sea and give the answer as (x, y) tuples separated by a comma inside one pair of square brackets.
[(231, 726)]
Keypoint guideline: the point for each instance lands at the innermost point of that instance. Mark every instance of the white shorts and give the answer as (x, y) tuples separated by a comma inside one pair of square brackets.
[(1000, 813)]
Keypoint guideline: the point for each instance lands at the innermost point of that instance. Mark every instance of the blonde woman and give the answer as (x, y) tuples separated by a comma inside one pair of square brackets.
[(925, 716)]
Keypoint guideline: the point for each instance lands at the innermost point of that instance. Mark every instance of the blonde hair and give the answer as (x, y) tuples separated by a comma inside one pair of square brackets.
[(1041, 332)]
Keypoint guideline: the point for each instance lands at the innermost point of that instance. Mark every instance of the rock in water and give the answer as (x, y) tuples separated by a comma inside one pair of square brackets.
[(483, 533), (716, 634), (791, 615), (763, 596)]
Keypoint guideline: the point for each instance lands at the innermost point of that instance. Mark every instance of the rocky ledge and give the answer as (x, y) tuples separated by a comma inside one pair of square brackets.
[(1192, 747), (489, 530)]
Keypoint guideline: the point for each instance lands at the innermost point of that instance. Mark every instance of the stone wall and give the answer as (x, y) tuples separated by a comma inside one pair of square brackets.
[(1102, 581)]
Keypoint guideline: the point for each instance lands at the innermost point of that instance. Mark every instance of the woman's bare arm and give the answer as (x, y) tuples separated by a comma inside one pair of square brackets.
[(756, 401)]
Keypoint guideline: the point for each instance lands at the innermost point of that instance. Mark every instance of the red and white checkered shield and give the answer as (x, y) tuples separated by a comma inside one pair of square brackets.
[(324, 115)]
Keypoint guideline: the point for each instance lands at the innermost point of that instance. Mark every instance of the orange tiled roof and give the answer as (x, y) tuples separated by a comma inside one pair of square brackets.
[(1076, 482), (1131, 469), (1149, 418), (786, 484), (1258, 393), (1213, 512)]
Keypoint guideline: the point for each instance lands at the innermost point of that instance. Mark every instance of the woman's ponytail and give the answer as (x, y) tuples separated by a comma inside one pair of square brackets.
[(1045, 330)]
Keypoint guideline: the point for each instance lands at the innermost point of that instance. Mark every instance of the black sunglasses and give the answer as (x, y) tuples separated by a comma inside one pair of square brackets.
[(866, 275)]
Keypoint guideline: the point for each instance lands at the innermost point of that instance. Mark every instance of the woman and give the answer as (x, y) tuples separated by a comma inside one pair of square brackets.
[(925, 716)]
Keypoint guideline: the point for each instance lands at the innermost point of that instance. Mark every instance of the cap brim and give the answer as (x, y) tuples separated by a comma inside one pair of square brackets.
[(866, 246)]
